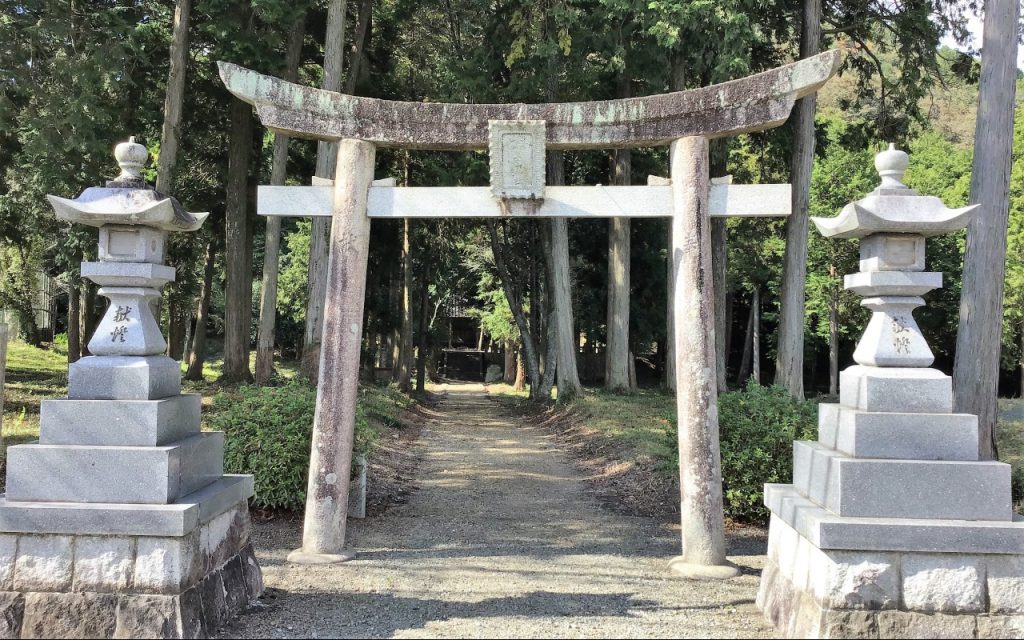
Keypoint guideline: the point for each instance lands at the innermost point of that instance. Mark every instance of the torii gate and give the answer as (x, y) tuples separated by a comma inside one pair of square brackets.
[(517, 136)]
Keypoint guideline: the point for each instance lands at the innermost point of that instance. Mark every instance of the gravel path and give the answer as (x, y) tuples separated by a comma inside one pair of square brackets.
[(501, 540)]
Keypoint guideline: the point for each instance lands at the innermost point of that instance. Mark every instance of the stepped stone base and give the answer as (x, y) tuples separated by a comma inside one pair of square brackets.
[(127, 586), (810, 592)]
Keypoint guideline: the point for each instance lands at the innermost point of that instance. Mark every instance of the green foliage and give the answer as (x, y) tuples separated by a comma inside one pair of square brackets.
[(269, 434), (757, 427)]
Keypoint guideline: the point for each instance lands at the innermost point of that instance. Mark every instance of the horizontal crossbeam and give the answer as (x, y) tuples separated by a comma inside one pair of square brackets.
[(758, 200)]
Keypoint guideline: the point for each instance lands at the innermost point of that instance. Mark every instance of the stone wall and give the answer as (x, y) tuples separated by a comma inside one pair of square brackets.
[(128, 586), (809, 592)]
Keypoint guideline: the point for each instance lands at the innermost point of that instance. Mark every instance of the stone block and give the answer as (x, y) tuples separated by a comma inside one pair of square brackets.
[(103, 564), (147, 616), (1005, 576), (69, 615), (167, 565), (124, 378), (131, 475), (223, 537), (896, 390), (251, 573), (128, 274), (1000, 626), (8, 557), (858, 580), (892, 283), (848, 624), (907, 624), (131, 243), (235, 594), (130, 423), (193, 622), (892, 252), (215, 605), (12, 612), (44, 563), (826, 530), (517, 150), (943, 583), (176, 519), (872, 488), (909, 436), (828, 423)]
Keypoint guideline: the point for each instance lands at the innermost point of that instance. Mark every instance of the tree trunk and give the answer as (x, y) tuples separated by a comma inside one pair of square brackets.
[(74, 323), (550, 324), (238, 289), (561, 289), (616, 376), (509, 370), (789, 367), (719, 151), (174, 98), (3, 371), (833, 336), (334, 58), (515, 303), (520, 381), (405, 354), (362, 35), (272, 246), (197, 357), (976, 369), (1020, 360), (756, 338), (421, 356), (700, 473), (748, 347), (178, 325)]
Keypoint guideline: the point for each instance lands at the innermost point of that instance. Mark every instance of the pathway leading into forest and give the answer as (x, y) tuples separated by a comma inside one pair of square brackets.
[(501, 540)]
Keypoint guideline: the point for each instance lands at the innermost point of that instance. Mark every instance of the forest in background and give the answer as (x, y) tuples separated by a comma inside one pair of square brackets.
[(80, 75)]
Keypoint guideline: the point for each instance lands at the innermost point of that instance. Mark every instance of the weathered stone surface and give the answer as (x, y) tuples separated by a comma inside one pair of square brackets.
[(944, 583), (132, 423), (12, 612), (860, 487), (69, 615), (224, 537), (236, 598), (146, 616), (120, 475), (494, 374), (896, 390), (1000, 626), (758, 102), (44, 563), (193, 623), (124, 378), (8, 557), (1005, 583), (906, 624), (215, 606), (517, 158), (103, 564), (892, 252), (128, 328), (856, 580), (252, 573), (167, 565), (849, 624), (128, 243)]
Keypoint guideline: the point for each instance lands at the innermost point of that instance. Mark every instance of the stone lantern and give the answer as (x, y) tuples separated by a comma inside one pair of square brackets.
[(120, 521), (893, 527)]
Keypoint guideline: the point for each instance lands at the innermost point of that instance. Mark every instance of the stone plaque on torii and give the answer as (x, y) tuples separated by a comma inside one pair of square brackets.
[(517, 136)]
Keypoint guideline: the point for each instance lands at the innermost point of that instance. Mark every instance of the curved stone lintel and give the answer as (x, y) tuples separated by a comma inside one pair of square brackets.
[(757, 102)]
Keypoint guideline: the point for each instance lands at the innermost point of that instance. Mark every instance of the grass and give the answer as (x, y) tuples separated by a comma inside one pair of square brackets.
[(641, 424)]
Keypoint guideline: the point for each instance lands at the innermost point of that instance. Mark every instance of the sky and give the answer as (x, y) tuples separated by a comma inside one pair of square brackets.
[(974, 25)]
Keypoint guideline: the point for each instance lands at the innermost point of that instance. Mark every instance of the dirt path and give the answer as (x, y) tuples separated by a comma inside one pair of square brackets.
[(501, 540)]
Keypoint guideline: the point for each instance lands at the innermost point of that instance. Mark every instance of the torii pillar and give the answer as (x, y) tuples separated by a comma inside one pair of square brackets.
[(685, 120)]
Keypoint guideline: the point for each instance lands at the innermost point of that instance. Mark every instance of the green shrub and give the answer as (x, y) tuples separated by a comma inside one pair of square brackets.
[(757, 428), (268, 432), (1017, 487)]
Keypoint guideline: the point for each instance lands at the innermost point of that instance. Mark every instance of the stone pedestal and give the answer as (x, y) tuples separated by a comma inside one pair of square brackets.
[(893, 528), (120, 521)]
